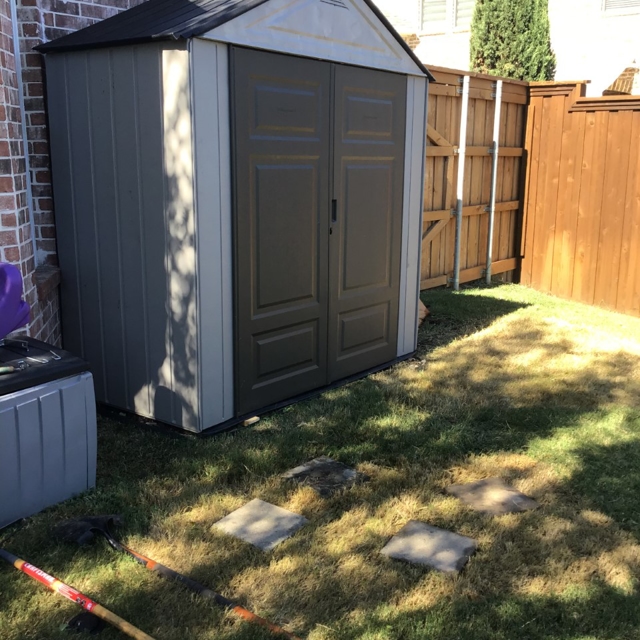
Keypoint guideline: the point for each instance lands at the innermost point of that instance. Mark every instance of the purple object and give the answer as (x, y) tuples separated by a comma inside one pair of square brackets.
[(14, 311)]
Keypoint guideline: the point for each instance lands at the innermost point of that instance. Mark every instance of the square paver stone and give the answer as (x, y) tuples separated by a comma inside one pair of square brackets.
[(493, 496), (261, 524), (324, 475), (420, 543)]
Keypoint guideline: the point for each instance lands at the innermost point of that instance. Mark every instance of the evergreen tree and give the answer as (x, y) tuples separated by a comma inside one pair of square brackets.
[(511, 38)]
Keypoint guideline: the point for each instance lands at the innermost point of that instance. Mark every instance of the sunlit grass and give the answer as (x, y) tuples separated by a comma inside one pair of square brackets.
[(507, 382)]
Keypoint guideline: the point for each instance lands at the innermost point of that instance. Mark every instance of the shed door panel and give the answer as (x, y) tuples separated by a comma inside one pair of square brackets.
[(282, 139), (368, 156)]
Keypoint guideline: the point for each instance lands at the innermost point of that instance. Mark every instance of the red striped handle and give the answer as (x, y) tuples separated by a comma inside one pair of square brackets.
[(55, 585), (72, 594)]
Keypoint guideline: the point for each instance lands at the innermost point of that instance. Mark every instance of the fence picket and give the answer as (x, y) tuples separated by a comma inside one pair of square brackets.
[(582, 202), (568, 194)]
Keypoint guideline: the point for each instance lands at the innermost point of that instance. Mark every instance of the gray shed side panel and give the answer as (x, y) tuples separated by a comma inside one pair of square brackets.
[(119, 216), (212, 151), (412, 214)]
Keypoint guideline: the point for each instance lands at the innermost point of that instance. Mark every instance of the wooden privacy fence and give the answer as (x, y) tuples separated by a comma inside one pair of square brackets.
[(582, 201), (448, 181)]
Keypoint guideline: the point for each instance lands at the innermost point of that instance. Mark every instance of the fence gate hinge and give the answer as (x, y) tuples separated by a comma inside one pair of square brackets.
[(487, 209)]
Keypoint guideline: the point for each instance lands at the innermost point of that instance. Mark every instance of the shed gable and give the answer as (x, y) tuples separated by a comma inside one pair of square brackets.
[(345, 31)]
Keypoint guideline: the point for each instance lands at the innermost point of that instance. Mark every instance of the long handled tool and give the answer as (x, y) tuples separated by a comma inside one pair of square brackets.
[(75, 596), (82, 530)]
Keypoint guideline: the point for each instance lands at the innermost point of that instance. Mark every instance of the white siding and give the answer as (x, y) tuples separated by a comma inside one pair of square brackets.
[(592, 44)]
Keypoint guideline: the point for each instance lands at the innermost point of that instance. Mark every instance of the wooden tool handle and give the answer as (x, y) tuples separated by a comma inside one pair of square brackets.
[(75, 596), (119, 623)]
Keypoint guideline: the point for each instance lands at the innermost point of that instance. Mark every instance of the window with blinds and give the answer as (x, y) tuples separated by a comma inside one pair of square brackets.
[(446, 15), (464, 12), (621, 5), (434, 13)]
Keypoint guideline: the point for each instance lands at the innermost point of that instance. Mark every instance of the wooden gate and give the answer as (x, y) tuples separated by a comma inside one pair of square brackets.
[(443, 140)]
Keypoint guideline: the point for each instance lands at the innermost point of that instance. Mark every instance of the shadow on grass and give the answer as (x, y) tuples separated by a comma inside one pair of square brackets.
[(609, 479), (505, 383), (602, 609)]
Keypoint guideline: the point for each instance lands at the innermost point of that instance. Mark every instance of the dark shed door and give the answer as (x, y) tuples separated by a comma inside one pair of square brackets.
[(281, 106), (316, 259), (368, 170)]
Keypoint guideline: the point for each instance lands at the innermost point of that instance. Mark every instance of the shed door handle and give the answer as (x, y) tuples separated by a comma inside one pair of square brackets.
[(334, 211)]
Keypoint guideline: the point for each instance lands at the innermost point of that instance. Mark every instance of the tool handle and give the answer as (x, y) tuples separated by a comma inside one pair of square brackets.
[(166, 572), (72, 594), (205, 592), (119, 623)]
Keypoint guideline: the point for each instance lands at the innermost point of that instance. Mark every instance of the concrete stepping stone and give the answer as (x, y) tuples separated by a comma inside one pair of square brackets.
[(324, 475), (492, 496), (262, 524), (420, 543)]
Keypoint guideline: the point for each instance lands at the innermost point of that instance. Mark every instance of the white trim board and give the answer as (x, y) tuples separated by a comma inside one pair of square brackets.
[(210, 87), (338, 30), (412, 215)]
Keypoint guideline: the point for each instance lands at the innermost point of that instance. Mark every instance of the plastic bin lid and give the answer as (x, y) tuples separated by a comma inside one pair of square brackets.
[(35, 363)]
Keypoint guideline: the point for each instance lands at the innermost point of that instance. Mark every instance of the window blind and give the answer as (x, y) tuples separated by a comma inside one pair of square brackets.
[(433, 11), (464, 12), (614, 5)]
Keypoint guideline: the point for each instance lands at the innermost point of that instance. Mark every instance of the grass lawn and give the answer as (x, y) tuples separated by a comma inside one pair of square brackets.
[(507, 382)]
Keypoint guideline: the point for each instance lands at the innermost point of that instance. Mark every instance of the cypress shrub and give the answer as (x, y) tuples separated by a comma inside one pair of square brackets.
[(511, 38)]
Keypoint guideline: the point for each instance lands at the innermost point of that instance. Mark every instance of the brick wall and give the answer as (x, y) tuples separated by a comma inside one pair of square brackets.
[(16, 246), (30, 244), (411, 39)]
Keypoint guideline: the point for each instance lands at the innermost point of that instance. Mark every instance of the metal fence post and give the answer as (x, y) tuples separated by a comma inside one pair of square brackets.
[(494, 177), (460, 182)]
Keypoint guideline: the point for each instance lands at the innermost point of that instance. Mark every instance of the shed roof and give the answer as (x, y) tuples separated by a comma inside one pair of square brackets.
[(155, 20)]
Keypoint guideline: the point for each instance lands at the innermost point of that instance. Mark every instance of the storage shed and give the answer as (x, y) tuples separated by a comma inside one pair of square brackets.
[(238, 194)]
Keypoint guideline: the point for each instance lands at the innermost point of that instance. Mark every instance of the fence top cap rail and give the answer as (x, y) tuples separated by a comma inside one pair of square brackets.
[(607, 103), (557, 83), (475, 74)]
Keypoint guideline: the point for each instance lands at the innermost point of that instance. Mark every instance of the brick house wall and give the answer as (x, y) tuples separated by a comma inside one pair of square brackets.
[(27, 217), (16, 246)]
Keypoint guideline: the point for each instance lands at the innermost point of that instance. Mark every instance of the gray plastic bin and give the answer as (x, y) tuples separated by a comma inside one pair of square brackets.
[(47, 429)]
